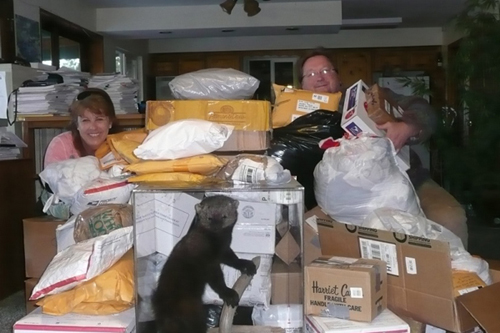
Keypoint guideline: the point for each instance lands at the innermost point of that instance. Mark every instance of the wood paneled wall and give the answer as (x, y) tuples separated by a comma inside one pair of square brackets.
[(353, 64)]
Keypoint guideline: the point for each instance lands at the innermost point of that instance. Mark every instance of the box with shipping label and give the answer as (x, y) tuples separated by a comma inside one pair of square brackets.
[(419, 277), (36, 321), (40, 244), (386, 322), (286, 283), (356, 120), (164, 213), (346, 288), (291, 103)]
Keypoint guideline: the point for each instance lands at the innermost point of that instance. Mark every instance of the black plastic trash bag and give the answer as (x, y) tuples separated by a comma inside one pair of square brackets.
[(296, 146)]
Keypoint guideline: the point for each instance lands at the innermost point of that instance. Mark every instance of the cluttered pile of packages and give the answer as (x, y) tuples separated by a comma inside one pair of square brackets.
[(350, 251)]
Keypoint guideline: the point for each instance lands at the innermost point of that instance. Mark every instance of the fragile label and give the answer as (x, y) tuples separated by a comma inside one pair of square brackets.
[(307, 106), (320, 98), (371, 249)]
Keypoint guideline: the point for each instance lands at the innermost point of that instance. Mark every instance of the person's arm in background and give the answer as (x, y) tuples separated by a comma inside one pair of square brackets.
[(418, 123)]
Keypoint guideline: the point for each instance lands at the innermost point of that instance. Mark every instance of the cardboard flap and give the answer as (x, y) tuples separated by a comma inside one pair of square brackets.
[(483, 305)]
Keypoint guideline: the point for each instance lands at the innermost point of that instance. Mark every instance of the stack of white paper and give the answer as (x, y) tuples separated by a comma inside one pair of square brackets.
[(121, 89), (49, 99), (72, 77)]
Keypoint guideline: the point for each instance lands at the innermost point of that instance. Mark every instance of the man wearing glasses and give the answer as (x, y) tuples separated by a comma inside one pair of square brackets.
[(317, 74)]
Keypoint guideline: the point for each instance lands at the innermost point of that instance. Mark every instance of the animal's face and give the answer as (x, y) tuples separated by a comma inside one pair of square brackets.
[(217, 212)]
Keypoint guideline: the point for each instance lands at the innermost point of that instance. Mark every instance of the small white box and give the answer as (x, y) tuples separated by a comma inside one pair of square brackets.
[(255, 230), (386, 322), (253, 239), (36, 321), (355, 120)]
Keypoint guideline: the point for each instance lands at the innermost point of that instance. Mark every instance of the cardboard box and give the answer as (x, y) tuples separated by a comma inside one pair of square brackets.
[(29, 285), (355, 120), (255, 230), (36, 321), (246, 115), (380, 108), (312, 247), (248, 141), (291, 103), (386, 322), (419, 275), (346, 288), (39, 243), (286, 283), (287, 248)]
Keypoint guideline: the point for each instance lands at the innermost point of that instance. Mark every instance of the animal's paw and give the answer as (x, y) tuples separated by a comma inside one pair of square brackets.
[(231, 297), (247, 267)]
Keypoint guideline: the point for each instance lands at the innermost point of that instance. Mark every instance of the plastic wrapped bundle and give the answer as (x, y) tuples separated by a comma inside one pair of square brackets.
[(296, 146)]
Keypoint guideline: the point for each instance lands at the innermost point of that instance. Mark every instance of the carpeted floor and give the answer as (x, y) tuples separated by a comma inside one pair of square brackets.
[(12, 309)]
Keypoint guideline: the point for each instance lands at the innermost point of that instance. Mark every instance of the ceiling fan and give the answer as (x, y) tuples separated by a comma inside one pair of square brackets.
[(251, 7)]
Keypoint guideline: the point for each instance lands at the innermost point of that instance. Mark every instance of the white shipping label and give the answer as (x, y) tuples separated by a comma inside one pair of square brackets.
[(306, 106), (371, 249), (286, 197), (356, 292), (108, 159), (249, 172), (411, 265), (467, 290), (295, 116), (320, 98)]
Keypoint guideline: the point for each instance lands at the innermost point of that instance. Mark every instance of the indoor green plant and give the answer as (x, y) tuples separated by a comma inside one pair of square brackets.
[(472, 166)]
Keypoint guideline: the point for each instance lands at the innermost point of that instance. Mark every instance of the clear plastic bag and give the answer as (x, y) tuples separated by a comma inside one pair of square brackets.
[(253, 169), (214, 83), (101, 220)]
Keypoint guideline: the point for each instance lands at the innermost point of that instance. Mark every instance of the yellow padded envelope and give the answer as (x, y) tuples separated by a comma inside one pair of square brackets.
[(201, 164), (248, 115), (108, 293)]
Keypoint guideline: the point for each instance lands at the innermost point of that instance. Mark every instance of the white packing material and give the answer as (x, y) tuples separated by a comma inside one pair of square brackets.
[(64, 234), (66, 177), (287, 316), (214, 83), (259, 290), (83, 261), (359, 176), (405, 223), (183, 138), (255, 169), (102, 191)]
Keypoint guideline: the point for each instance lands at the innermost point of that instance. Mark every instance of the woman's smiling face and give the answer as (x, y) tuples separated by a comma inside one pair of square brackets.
[(93, 129)]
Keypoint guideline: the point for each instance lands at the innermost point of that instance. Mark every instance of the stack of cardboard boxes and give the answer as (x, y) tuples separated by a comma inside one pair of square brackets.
[(419, 275)]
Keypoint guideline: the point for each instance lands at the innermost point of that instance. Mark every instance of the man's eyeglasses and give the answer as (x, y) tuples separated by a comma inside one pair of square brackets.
[(324, 71)]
